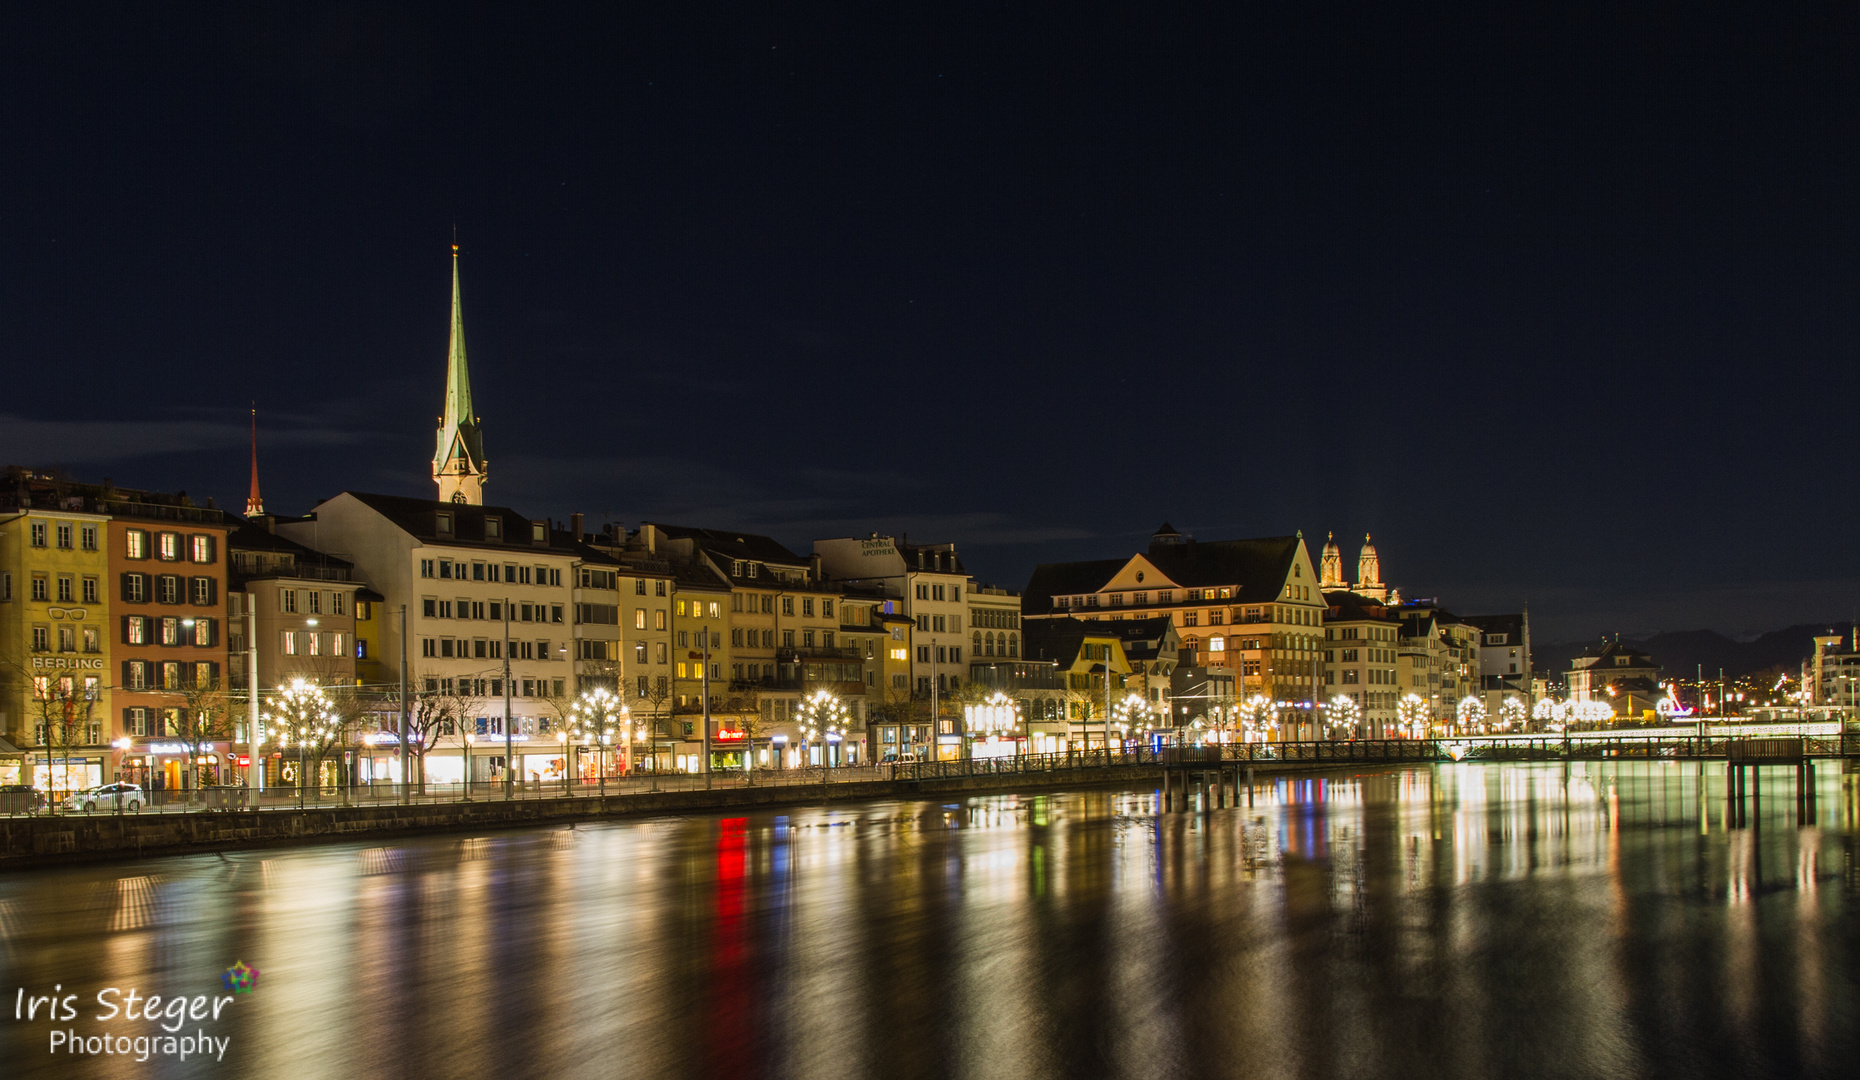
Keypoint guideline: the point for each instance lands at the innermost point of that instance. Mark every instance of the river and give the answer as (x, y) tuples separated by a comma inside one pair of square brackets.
[(1454, 921)]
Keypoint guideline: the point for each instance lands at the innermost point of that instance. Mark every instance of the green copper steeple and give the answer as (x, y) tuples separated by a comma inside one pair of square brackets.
[(458, 459)]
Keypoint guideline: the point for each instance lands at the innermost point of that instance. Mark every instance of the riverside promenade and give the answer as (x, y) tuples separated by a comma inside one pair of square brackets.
[(227, 818)]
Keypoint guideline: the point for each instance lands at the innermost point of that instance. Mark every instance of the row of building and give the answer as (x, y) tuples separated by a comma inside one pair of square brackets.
[(122, 611)]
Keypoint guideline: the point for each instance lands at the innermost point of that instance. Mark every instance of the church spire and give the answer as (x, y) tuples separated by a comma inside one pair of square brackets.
[(254, 504), (458, 459)]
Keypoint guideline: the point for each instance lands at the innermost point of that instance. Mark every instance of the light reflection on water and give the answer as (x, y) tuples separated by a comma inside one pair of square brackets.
[(1460, 921)]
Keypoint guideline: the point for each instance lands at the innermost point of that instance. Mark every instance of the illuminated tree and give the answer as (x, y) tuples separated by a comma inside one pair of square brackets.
[(821, 716), (303, 716), (1411, 714), (1259, 718), (1549, 714), (1471, 715), (596, 719), (1342, 715), (1511, 714)]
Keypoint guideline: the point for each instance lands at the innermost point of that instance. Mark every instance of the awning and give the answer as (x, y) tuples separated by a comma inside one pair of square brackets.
[(9, 748)]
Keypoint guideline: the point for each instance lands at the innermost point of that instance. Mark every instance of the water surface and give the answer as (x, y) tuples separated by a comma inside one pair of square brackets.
[(1459, 921)]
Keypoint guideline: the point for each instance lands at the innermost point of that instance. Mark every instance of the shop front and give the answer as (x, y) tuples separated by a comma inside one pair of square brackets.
[(729, 749), (164, 766), (62, 774), (997, 746)]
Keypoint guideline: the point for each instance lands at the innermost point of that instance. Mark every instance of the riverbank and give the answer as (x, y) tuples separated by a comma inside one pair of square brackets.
[(27, 842)]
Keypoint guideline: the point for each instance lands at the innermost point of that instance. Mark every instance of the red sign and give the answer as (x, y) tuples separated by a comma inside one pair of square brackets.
[(726, 735), (244, 761)]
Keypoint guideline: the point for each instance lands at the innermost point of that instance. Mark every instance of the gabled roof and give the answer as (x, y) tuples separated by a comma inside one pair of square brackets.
[(1257, 567), (1143, 639), (419, 518), (248, 537), (1066, 579), (1059, 639), (1608, 650), (698, 576), (585, 551), (730, 545), (1512, 626), (1346, 606)]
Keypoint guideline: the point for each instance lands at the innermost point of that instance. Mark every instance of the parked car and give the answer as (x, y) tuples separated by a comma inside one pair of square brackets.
[(21, 799), (900, 759), (107, 797)]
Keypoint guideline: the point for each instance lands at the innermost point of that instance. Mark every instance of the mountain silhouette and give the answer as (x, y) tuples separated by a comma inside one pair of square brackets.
[(1681, 652)]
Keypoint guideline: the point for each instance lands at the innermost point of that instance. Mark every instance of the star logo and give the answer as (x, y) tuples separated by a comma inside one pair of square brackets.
[(240, 978)]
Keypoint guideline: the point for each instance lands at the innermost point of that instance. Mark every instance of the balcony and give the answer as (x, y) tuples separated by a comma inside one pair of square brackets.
[(795, 656)]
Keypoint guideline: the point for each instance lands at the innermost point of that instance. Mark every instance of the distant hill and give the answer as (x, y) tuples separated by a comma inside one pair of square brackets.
[(1681, 652)]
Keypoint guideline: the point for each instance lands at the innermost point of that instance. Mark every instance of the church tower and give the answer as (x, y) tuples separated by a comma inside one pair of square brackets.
[(1369, 571), (1330, 567), (254, 502), (458, 461)]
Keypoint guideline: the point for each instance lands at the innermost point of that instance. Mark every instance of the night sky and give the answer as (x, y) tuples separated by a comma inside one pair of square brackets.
[(1562, 308)]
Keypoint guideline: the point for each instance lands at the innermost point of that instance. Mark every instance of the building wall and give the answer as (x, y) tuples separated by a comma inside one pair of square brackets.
[(25, 656), (1273, 644), (1361, 660), (155, 671), (425, 575)]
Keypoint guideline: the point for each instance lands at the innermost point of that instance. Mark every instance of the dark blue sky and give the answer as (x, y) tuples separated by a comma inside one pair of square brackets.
[(1561, 306)]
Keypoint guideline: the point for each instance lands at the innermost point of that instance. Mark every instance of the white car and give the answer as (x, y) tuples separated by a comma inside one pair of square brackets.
[(107, 797)]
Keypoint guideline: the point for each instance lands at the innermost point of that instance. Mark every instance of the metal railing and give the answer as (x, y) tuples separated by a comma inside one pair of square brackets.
[(1320, 753)]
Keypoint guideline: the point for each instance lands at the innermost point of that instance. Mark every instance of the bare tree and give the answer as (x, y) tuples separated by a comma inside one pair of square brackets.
[(433, 712), (205, 715), (64, 708), (653, 707)]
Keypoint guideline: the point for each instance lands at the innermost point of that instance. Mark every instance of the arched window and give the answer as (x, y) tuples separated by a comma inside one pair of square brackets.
[(1191, 643), (1013, 645)]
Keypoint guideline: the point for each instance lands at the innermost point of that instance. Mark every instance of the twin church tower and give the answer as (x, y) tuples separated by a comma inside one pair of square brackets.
[(459, 466)]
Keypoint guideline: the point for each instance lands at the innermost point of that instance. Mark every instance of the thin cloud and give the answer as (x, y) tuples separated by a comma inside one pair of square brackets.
[(27, 441)]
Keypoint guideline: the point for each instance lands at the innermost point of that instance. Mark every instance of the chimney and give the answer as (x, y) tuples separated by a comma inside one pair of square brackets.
[(652, 537), (574, 526)]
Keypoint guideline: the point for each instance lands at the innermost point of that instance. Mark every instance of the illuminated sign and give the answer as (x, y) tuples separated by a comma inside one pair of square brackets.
[(244, 760), (375, 738), (57, 662), (177, 748), (726, 735)]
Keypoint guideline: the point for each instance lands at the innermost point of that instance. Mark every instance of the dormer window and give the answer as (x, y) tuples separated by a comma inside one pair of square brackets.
[(1621, 661), (493, 528), (444, 525), (539, 532)]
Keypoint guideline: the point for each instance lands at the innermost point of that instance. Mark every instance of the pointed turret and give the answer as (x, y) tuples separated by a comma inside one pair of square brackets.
[(459, 467), (254, 503), (1369, 571), (1330, 566)]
